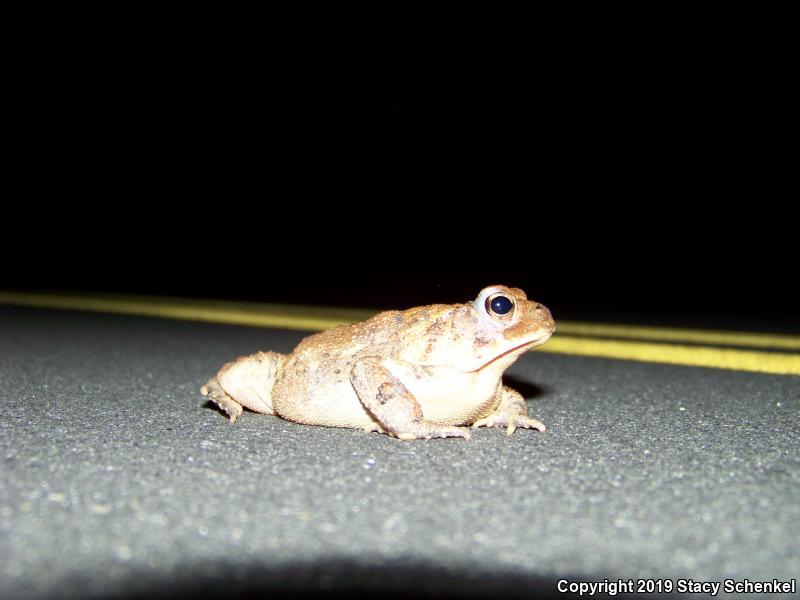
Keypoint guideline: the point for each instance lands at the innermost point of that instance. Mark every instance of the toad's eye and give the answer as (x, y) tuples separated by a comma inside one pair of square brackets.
[(499, 305)]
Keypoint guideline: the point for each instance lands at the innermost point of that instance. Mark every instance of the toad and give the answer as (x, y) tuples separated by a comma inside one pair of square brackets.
[(426, 372)]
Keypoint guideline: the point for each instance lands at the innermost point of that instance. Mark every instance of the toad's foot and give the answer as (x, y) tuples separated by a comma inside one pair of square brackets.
[(510, 420), (217, 395), (393, 406), (511, 412), (435, 431)]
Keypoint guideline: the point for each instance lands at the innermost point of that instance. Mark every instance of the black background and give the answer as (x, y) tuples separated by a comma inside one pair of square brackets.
[(653, 190)]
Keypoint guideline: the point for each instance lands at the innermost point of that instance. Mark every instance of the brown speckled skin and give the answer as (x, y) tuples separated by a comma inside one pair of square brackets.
[(420, 373)]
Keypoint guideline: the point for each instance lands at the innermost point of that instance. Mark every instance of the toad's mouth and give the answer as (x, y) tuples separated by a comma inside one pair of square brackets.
[(529, 345)]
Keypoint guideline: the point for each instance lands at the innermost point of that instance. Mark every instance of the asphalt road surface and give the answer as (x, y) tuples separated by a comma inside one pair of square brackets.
[(117, 479)]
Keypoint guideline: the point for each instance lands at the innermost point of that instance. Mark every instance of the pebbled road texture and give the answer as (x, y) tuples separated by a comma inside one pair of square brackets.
[(117, 480)]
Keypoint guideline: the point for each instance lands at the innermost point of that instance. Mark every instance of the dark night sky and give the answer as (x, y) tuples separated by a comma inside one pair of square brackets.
[(602, 202)]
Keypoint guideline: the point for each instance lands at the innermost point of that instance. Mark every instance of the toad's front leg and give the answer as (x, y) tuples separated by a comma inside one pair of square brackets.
[(393, 406), (511, 412)]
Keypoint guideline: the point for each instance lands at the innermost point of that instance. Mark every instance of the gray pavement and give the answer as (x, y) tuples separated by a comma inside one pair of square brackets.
[(117, 480)]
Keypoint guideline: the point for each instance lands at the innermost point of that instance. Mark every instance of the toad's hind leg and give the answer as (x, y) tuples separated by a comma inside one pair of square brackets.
[(395, 408), (247, 382), (218, 396)]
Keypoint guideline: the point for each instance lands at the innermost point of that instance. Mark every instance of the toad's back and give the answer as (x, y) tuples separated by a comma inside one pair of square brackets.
[(314, 385)]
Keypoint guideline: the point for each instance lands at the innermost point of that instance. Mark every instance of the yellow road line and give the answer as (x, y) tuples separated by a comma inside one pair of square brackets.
[(677, 354), (668, 334), (568, 339), (212, 311)]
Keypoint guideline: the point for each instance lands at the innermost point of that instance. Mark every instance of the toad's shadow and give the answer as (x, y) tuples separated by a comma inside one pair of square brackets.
[(528, 389)]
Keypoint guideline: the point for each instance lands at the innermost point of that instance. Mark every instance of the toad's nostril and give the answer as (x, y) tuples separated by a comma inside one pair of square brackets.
[(544, 312)]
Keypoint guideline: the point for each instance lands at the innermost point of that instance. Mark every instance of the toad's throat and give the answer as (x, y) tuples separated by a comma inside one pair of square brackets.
[(529, 344)]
